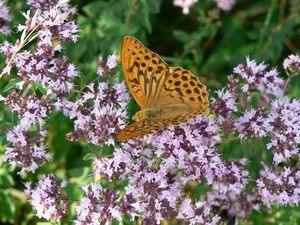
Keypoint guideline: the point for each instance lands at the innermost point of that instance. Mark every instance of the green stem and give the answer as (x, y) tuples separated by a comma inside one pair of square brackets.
[(266, 25), (285, 87)]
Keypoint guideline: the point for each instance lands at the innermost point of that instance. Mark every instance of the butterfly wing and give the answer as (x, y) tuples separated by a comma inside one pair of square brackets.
[(138, 129), (153, 84), (176, 91), (147, 126), (182, 88), (145, 72)]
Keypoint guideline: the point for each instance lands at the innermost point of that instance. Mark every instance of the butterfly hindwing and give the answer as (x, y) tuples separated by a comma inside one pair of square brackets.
[(148, 126), (182, 87), (139, 128)]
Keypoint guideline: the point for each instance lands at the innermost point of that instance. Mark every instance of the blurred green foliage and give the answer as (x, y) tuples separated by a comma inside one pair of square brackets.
[(208, 41)]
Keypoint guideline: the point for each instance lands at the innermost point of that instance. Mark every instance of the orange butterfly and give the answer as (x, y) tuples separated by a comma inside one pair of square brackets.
[(166, 95)]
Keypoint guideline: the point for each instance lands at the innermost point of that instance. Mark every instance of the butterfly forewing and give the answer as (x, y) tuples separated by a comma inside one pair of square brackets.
[(144, 70)]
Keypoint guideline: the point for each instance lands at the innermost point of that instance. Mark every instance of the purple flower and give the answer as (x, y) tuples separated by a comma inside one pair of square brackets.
[(56, 74), (107, 68), (224, 106), (101, 67), (284, 120), (39, 66), (198, 213), (252, 124), (47, 198), (225, 5), (115, 167), (98, 123), (50, 27), (292, 63), (155, 187), (28, 144), (191, 147), (4, 18), (235, 177), (279, 187), (98, 204), (154, 191), (46, 5), (30, 109), (185, 5), (257, 78), (112, 61), (238, 205), (28, 148)]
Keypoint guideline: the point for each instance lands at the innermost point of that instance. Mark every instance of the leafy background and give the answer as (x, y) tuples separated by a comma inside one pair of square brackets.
[(208, 41)]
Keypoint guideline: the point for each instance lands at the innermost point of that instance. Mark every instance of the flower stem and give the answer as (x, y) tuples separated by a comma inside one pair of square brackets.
[(286, 84), (266, 25)]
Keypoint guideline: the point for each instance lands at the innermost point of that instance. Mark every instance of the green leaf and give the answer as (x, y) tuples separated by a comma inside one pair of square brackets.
[(6, 179), (7, 207), (12, 84), (88, 156), (42, 89)]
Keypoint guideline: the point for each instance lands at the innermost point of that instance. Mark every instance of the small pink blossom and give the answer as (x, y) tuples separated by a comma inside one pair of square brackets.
[(106, 68), (252, 124), (4, 18), (112, 61), (46, 198), (198, 213), (28, 149), (185, 5), (97, 205), (279, 187), (292, 62), (284, 120), (225, 5), (98, 123), (257, 78)]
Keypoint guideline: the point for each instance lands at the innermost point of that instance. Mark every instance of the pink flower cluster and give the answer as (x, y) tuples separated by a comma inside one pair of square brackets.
[(186, 5), (158, 171), (42, 68), (279, 187), (28, 143), (292, 63), (4, 18), (98, 114), (98, 111), (100, 204), (198, 213), (47, 198)]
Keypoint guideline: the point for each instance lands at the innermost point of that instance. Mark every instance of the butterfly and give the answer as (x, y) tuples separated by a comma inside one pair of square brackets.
[(166, 95)]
